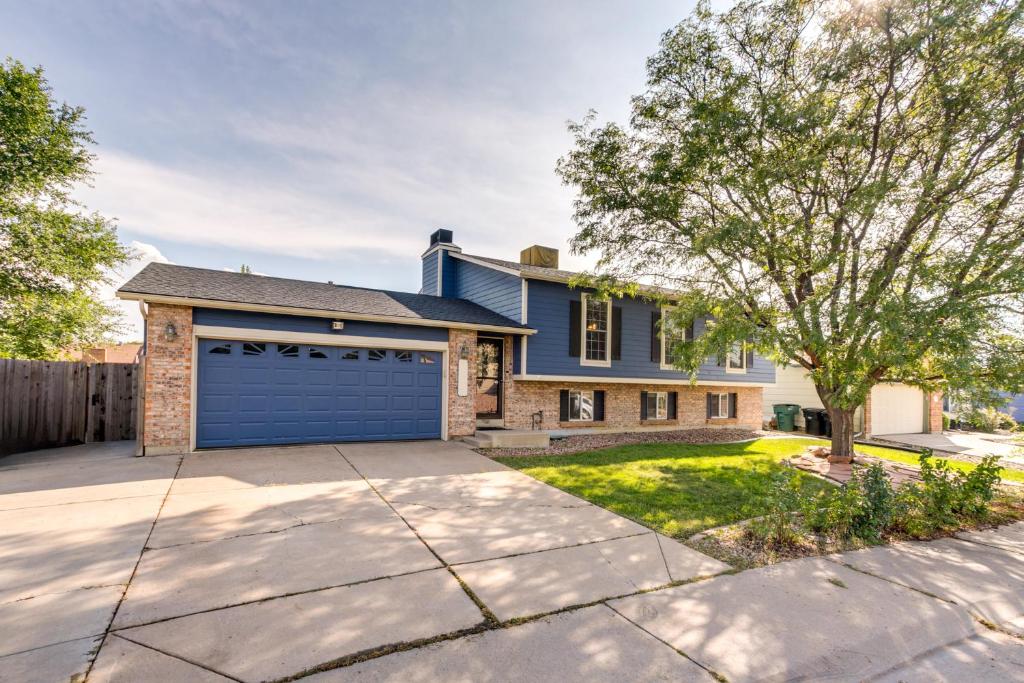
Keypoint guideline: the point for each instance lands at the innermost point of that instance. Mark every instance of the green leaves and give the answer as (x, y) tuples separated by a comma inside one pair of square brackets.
[(53, 256), (839, 181)]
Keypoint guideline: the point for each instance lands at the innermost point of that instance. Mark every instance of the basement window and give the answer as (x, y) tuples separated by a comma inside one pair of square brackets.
[(657, 405), (581, 406)]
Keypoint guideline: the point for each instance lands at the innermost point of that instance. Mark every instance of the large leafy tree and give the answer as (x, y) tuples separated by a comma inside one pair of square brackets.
[(838, 182), (53, 255)]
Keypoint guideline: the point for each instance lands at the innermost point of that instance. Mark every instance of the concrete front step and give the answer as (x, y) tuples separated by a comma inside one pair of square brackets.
[(508, 438)]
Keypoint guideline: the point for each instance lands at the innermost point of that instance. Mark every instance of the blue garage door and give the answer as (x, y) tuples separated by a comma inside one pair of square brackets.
[(253, 393)]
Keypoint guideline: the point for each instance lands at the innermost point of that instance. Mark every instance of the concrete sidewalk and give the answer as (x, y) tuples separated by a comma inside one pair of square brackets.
[(426, 561)]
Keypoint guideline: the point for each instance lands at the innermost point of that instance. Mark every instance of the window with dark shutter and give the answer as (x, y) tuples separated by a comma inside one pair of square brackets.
[(643, 405), (655, 337), (750, 354), (616, 333), (599, 406), (711, 405), (563, 405), (575, 334), (732, 405), (673, 400)]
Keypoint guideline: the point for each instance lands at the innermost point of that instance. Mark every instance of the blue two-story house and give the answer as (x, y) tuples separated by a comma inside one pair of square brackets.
[(239, 359)]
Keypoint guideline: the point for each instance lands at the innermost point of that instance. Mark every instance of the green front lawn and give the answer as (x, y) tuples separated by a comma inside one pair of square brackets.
[(680, 489)]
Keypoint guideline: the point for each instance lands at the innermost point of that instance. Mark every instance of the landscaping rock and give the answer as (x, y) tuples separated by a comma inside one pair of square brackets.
[(579, 443)]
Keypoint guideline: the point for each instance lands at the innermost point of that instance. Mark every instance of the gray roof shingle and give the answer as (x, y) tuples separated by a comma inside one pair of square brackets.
[(162, 279)]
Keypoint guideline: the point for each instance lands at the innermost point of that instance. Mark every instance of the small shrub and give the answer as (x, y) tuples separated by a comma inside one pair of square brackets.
[(977, 488), (878, 507), (987, 420), (776, 527), (945, 422)]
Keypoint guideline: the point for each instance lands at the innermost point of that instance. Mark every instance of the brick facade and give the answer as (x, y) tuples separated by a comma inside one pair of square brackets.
[(461, 409), (168, 399), (622, 405), (935, 412)]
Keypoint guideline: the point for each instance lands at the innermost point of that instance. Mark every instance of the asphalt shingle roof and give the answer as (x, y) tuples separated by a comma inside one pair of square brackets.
[(162, 279)]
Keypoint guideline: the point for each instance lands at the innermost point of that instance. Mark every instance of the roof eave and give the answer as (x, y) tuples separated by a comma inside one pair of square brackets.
[(316, 312)]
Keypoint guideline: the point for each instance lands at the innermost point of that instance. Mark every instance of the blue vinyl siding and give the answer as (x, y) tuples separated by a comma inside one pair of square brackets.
[(493, 289), (429, 283), (296, 323), (548, 350), (1015, 406), (449, 275)]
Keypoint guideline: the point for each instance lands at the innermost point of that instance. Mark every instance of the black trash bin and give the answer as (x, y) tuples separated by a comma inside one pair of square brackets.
[(812, 423), (825, 422)]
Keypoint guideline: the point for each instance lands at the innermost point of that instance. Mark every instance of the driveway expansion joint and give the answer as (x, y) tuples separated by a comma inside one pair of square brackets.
[(134, 569), (270, 598), (179, 657), (484, 610), (548, 550)]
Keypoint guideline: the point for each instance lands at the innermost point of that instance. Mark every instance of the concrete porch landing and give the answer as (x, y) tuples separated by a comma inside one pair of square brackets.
[(508, 438)]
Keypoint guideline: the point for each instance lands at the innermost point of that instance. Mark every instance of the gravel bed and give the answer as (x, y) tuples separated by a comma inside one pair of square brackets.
[(579, 443)]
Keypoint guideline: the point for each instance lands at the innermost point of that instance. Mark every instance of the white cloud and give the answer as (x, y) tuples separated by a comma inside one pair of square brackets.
[(131, 317)]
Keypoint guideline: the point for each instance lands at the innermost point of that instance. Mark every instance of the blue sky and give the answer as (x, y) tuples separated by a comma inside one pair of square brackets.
[(327, 140)]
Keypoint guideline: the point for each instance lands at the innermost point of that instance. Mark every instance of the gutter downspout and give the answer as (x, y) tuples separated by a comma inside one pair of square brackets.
[(140, 384)]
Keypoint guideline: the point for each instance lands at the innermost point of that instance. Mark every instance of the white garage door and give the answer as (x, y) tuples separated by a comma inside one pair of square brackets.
[(896, 409)]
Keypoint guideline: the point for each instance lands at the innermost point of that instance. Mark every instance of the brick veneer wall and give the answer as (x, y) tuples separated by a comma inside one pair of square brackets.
[(622, 405), (168, 402), (935, 412), (461, 409)]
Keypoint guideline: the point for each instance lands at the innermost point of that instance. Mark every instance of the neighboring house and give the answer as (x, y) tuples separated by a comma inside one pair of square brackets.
[(890, 408), (111, 353), (235, 359)]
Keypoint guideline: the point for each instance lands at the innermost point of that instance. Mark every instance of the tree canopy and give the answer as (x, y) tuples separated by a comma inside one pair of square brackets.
[(837, 181), (53, 255)]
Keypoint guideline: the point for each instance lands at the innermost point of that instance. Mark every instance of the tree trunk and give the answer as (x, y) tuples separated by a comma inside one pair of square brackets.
[(842, 434)]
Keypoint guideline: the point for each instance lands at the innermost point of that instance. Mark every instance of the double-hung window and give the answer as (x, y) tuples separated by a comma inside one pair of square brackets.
[(672, 334), (657, 405), (596, 331), (736, 358)]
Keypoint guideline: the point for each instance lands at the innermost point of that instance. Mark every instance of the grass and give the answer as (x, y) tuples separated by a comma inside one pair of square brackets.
[(680, 489)]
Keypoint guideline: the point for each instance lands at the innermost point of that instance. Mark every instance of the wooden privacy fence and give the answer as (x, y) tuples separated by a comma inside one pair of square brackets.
[(44, 404)]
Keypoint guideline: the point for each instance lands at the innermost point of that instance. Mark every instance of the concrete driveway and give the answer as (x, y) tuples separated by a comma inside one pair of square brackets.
[(973, 444), (426, 561)]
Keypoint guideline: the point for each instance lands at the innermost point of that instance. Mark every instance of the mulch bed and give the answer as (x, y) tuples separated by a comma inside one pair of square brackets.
[(580, 443)]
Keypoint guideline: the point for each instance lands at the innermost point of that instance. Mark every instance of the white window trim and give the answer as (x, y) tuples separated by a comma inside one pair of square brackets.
[(743, 359), (607, 363), (718, 398), (665, 310), (581, 392), (656, 394)]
